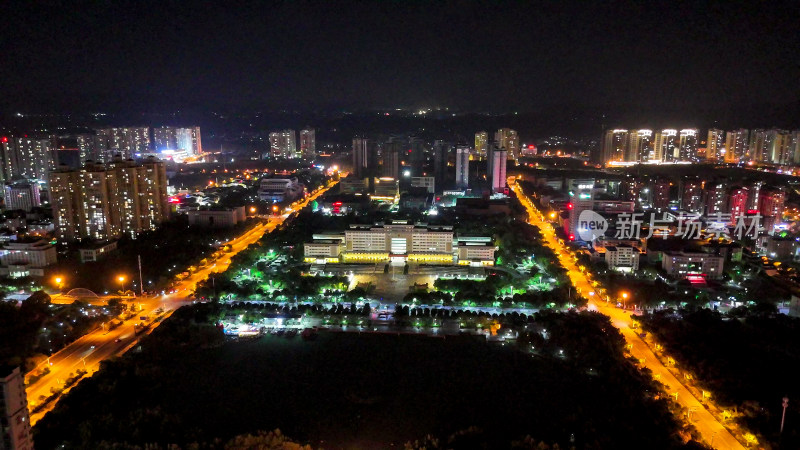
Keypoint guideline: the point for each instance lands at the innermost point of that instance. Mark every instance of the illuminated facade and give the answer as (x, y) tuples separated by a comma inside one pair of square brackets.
[(308, 143), (125, 141), (640, 146), (481, 144), (499, 161), (178, 139), (715, 145), (687, 145), (401, 243), (665, 146), (25, 157), (737, 146), (614, 147), (283, 144), (462, 167), (737, 203), (106, 201), (683, 264), (508, 139)]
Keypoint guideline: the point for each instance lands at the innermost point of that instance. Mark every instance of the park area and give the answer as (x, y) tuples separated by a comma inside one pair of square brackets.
[(188, 384)]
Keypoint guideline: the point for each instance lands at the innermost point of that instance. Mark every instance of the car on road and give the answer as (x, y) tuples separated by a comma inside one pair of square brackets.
[(117, 340), (92, 347)]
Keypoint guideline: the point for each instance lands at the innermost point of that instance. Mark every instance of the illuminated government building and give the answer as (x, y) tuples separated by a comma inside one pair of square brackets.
[(106, 201), (400, 243)]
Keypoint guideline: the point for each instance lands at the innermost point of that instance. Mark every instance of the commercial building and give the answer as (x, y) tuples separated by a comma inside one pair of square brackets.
[(94, 251), (401, 243), (280, 189), (283, 144), (429, 183), (26, 257), (321, 251), (22, 195), (462, 167), (685, 264), (623, 258), (386, 188), (308, 143), (15, 422), (216, 217), (509, 140), (104, 202)]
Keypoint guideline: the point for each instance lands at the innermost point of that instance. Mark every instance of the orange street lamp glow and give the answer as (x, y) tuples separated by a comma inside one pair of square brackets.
[(252, 209)]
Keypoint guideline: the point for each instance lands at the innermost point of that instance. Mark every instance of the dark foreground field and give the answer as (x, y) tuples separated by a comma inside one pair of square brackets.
[(359, 391)]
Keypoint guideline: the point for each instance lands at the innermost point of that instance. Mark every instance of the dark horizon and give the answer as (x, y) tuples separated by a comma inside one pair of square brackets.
[(705, 63)]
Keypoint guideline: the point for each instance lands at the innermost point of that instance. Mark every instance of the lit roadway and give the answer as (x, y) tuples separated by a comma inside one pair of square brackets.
[(87, 352), (711, 430)]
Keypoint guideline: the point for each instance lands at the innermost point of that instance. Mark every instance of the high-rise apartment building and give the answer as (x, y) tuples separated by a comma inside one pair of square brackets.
[(737, 146), (390, 156), (665, 146), (482, 144), (639, 145), (778, 147), (715, 198), (308, 143), (614, 147), (125, 141), (15, 422), (27, 157), (106, 201), (441, 150), (283, 144), (692, 195), (772, 203), (715, 146), (687, 145), (462, 167), (661, 193), (737, 203), (22, 195), (178, 139), (508, 139), (757, 146), (365, 158), (499, 161)]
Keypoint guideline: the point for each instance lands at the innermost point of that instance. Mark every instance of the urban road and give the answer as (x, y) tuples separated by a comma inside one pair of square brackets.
[(711, 430), (87, 352)]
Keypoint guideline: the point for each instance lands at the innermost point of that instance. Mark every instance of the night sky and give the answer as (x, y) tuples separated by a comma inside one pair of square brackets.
[(502, 56)]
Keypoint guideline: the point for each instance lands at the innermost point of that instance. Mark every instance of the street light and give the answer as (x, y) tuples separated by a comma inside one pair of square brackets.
[(59, 282), (624, 298), (121, 280)]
